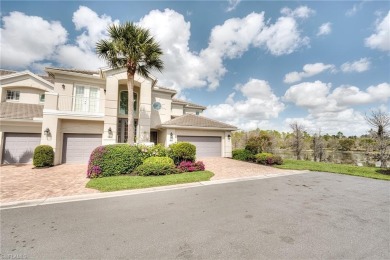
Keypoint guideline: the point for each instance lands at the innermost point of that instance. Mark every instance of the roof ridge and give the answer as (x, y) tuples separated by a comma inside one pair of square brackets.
[(216, 121)]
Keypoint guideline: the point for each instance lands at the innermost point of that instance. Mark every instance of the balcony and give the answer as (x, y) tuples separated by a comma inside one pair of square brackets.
[(74, 105)]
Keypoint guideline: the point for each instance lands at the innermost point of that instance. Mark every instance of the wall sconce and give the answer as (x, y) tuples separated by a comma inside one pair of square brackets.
[(171, 137), (63, 86), (46, 132), (105, 91), (229, 137), (109, 132)]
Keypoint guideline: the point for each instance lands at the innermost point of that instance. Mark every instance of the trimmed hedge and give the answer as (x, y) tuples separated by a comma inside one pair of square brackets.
[(43, 156), (182, 151), (242, 155), (268, 159), (156, 166), (115, 159), (188, 166), (150, 151)]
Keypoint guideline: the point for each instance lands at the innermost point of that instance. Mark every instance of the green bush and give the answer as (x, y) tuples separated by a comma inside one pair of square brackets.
[(113, 160), (182, 151), (242, 155), (264, 158), (156, 166), (278, 160), (150, 151), (43, 156)]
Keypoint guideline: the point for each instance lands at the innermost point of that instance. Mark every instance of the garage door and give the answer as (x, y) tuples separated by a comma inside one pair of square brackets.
[(206, 146), (19, 147), (78, 147)]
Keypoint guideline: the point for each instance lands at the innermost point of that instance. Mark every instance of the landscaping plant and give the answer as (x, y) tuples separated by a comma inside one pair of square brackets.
[(182, 151), (243, 155), (43, 156), (188, 166), (156, 166)]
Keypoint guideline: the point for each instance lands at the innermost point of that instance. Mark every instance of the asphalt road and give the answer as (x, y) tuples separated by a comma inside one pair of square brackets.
[(305, 216)]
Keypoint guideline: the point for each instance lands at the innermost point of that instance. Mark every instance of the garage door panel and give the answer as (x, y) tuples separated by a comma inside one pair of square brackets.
[(78, 147), (206, 146), (19, 147)]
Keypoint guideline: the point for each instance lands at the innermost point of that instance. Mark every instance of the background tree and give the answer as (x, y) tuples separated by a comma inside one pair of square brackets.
[(318, 147), (346, 144), (298, 138), (132, 47), (381, 122)]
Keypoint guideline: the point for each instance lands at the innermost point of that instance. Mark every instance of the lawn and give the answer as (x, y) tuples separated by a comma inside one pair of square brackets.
[(126, 182), (368, 172)]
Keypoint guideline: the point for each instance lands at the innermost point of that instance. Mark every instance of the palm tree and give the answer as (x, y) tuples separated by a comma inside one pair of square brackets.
[(130, 46)]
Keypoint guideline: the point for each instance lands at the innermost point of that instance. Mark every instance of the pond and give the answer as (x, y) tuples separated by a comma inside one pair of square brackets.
[(345, 157)]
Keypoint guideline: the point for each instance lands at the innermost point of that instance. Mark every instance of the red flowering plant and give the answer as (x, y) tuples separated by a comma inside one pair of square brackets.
[(188, 166), (94, 170)]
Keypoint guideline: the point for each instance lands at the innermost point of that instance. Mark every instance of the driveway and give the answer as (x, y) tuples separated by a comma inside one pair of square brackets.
[(226, 168), (302, 216), (22, 182)]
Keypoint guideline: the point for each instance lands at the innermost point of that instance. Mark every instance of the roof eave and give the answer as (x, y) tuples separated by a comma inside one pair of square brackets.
[(197, 127), (71, 73)]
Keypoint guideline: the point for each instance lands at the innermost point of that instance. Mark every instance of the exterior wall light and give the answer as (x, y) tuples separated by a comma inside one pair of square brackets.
[(229, 137), (63, 86), (46, 132), (171, 137), (109, 132)]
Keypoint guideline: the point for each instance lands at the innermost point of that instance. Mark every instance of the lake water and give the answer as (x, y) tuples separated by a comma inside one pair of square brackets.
[(349, 157)]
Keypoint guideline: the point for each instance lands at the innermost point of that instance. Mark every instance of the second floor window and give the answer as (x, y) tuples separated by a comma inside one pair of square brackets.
[(86, 99), (13, 95), (42, 98), (123, 102)]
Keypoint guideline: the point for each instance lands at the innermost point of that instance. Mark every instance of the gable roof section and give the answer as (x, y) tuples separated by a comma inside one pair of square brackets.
[(42, 79), (80, 71), (187, 104), (193, 121), (6, 72), (11, 110)]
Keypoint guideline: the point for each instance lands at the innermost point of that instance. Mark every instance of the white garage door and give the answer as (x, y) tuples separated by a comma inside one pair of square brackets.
[(19, 147), (206, 146), (78, 147)]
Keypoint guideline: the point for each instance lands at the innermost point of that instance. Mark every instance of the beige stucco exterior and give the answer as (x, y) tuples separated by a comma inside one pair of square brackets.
[(97, 109)]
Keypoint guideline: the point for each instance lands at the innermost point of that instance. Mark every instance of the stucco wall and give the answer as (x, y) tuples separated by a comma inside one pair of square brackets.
[(164, 114), (28, 95)]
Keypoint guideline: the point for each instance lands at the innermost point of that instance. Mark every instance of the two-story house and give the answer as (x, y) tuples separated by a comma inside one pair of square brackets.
[(75, 111)]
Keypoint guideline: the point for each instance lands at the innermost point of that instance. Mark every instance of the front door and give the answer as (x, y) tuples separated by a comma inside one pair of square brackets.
[(123, 128)]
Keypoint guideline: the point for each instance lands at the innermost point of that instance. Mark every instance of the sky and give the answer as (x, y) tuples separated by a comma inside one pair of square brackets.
[(254, 64)]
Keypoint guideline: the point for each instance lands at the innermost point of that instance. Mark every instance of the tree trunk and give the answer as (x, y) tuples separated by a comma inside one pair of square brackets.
[(130, 108)]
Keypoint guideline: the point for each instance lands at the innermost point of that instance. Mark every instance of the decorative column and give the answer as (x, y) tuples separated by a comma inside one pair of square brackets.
[(145, 110), (110, 111)]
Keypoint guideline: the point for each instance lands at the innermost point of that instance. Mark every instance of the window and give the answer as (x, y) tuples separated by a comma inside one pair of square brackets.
[(86, 99), (123, 102), (197, 113), (41, 97), (13, 95)]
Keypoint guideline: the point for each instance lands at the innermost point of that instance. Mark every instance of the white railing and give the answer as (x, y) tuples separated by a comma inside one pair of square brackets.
[(80, 104)]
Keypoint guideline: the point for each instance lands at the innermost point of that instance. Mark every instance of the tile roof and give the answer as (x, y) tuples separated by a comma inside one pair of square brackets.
[(20, 111), (183, 102), (196, 121), (6, 72), (88, 72)]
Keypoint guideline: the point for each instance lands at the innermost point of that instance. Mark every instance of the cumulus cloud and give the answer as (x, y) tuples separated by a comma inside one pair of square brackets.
[(232, 4), (356, 66), (324, 29), (300, 12), (29, 39), (330, 110), (381, 38), (259, 103), (309, 70)]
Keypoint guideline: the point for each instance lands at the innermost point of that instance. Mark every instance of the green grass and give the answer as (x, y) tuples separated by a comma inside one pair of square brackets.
[(126, 182), (368, 172)]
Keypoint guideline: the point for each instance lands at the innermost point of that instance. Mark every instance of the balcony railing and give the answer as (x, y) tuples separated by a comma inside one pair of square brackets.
[(80, 104)]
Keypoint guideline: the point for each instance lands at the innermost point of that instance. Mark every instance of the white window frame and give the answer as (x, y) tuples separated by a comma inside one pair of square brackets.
[(85, 99), (15, 95), (40, 98), (135, 101)]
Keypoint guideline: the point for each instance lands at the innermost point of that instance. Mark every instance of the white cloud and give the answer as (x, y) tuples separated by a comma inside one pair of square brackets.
[(381, 38), (356, 66), (29, 39), (300, 12), (324, 29), (354, 9), (309, 70), (259, 104), (232, 4)]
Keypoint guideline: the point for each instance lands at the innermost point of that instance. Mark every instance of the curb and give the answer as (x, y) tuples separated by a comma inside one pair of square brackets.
[(103, 195)]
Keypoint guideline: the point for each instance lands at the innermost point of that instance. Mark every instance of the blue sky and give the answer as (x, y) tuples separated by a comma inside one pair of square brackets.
[(253, 63)]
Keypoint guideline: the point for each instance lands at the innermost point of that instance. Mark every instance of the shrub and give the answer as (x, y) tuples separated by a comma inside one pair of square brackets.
[(113, 160), (182, 151), (265, 158), (188, 166), (156, 166), (43, 156), (242, 155), (278, 160), (150, 151)]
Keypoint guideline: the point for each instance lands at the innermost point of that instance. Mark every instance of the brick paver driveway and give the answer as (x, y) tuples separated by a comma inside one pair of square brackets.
[(22, 182), (226, 168)]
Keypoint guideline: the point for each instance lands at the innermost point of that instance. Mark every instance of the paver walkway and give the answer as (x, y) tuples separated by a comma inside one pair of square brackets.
[(226, 168), (22, 182)]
